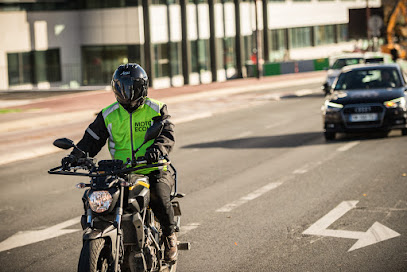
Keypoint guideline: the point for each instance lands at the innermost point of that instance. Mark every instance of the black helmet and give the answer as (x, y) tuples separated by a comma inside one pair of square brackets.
[(130, 84)]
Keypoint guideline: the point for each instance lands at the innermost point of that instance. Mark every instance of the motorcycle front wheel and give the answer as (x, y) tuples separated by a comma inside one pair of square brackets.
[(94, 256)]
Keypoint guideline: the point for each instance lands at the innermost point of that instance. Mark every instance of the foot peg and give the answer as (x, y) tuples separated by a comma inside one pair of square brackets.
[(184, 246)]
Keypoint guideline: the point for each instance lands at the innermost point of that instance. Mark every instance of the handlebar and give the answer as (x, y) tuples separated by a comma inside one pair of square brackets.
[(59, 171)]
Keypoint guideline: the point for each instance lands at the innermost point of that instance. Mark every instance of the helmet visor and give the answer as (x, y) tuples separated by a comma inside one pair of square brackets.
[(129, 91), (125, 90)]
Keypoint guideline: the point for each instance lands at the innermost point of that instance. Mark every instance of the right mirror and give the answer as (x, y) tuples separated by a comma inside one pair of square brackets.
[(153, 131)]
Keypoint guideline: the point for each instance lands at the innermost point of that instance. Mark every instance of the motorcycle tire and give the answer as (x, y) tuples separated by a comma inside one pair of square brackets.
[(93, 258)]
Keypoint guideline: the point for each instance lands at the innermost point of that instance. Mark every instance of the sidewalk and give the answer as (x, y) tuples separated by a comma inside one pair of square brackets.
[(41, 120)]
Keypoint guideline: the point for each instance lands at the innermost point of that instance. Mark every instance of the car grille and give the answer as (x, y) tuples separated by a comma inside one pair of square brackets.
[(363, 109)]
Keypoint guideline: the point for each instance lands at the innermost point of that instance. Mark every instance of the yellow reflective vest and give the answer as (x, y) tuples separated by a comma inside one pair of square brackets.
[(127, 130)]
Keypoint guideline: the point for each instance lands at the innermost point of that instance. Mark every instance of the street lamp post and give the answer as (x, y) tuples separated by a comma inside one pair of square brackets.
[(367, 25), (259, 67)]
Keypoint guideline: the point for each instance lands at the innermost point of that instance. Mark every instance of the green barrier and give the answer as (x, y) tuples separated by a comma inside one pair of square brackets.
[(272, 68), (321, 64)]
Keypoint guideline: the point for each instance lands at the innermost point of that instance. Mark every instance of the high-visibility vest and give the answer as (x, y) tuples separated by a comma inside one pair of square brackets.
[(127, 130)]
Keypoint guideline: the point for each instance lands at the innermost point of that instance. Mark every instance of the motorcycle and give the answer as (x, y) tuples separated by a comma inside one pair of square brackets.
[(120, 231)]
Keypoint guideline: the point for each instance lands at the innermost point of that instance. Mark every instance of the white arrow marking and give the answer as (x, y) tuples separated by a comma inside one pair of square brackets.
[(23, 238), (375, 234)]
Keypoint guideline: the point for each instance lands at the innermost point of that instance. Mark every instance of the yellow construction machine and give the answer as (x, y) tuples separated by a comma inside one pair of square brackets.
[(396, 32)]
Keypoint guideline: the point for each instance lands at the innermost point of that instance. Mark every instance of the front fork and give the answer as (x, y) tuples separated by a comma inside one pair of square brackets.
[(114, 231)]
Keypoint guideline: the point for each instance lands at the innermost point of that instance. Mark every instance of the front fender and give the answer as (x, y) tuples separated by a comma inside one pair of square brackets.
[(109, 234)]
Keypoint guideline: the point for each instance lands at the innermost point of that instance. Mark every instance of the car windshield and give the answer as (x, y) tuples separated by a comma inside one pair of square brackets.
[(339, 63), (368, 79)]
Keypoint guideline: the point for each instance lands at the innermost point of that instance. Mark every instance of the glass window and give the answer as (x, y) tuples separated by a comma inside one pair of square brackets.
[(67, 5), (159, 2), (204, 55), (340, 63), (200, 56), (91, 4), (277, 43), (19, 68), (249, 50), (47, 66), (300, 37), (99, 62), (194, 56), (161, 60), (34, 67), (342, 33), (324, 35), (219, 54), (368, 79), (229, 52), (175, 48)]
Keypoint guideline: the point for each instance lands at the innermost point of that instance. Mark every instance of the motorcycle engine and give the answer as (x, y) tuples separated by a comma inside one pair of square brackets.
[(151, 255)]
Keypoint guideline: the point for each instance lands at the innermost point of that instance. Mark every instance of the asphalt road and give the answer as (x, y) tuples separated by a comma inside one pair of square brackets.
[(257, 180)]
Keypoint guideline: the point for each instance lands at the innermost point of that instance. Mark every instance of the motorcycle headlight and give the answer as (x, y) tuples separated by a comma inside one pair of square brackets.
[(396, 103), (100, 201)]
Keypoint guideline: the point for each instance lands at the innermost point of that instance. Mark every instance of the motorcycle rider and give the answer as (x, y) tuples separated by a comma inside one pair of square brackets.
[(124, 124)]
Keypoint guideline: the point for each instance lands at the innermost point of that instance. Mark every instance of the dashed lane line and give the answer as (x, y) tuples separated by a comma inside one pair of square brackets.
[(253, 195), (187, 228), (348, 146), (309, 166)]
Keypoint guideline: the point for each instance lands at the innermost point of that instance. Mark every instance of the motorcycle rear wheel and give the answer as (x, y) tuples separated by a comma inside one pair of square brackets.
[(93, 258)]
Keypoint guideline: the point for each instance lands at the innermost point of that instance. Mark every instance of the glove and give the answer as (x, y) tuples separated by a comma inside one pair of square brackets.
[(69, 161), (152, 155)]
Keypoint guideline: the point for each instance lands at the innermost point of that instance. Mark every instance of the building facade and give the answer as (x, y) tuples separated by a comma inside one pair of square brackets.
[(80, 43)]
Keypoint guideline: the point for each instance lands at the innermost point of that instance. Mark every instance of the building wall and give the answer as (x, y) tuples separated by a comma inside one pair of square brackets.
[(69, 30), (12, 23)]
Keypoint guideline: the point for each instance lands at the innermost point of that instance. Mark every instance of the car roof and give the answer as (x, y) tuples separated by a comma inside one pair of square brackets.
[(371, 66), (347, 56)]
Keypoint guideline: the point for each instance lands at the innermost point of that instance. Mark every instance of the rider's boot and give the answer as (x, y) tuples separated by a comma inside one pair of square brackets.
[(171, 250)]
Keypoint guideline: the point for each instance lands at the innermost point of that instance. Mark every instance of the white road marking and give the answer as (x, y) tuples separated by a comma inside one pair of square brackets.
[(348, 146), (303, 92), (23, 238), (376, 233), (191, 117), (301, 170), (275, 124), (245, 134), (185, 229), (253, 195)]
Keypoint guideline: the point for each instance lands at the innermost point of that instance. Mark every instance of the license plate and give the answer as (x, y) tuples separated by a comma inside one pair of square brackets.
[(363, 117)]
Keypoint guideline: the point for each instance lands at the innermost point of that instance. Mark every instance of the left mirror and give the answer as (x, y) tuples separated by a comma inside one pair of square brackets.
[(64, 143)]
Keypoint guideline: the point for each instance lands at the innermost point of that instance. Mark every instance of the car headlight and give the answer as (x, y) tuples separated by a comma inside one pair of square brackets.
[(396, 103), (100, 201), (332, 107)]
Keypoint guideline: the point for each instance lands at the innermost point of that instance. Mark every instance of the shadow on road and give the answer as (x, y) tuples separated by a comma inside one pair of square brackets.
[(288, 140), (283, 141)]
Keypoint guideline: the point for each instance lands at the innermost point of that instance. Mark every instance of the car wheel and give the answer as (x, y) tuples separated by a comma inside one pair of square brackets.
[(329, 136), (404, 131)]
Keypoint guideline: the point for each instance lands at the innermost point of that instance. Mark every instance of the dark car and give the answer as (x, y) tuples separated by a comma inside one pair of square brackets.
[(366, 98), (335, 69)]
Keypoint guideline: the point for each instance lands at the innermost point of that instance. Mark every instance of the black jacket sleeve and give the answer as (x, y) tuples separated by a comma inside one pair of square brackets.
[(166, 140), (95, 137)]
